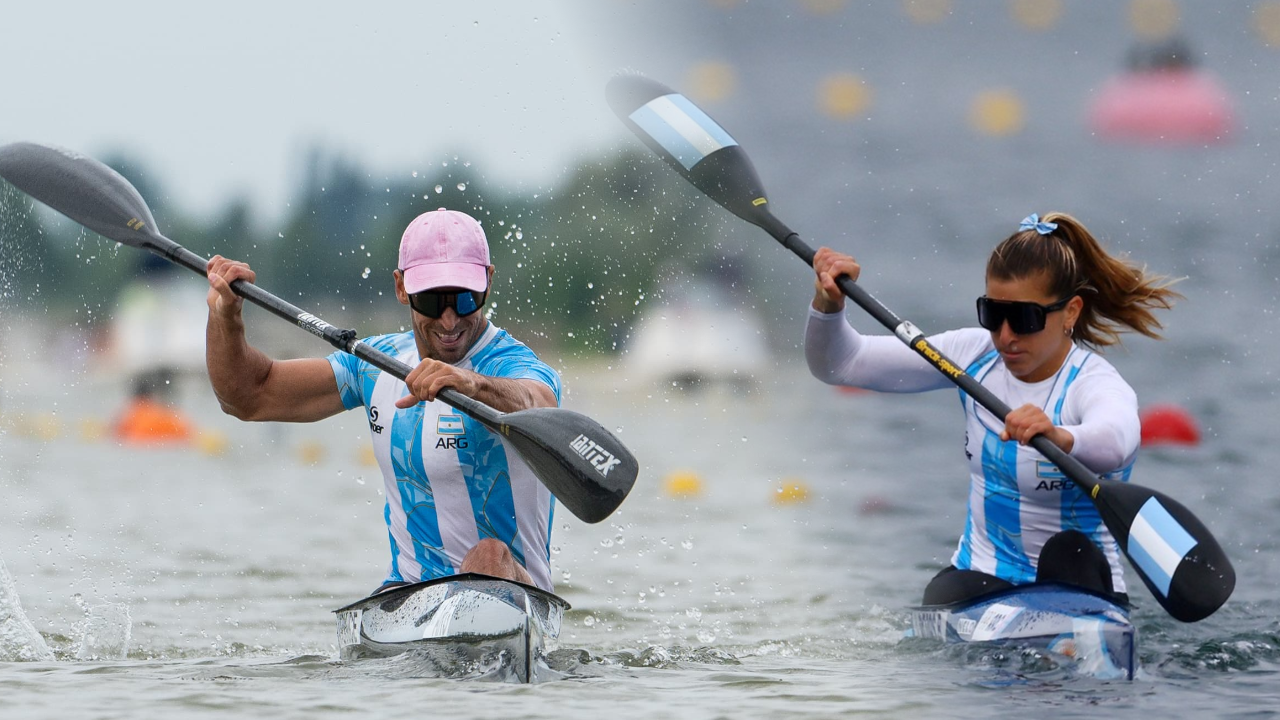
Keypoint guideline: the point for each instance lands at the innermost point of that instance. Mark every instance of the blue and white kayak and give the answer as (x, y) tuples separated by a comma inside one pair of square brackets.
[(471, 625), (1089, 629)]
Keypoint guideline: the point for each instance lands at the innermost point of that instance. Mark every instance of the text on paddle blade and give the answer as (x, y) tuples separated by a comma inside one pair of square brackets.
[(602, 460)]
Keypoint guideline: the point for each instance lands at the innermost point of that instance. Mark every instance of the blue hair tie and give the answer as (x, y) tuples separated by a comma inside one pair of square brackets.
[(1032, 222)]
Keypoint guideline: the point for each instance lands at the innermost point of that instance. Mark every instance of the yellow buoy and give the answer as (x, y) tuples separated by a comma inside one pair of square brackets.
[(791, 492), (1266, 22), (212, 442), (843, 96), (47, 426), (712, 81), (1037, 14), (1154, 19), (998, 113), (92, 429), (682, 483), (927, 12), (823, 7), (310, 452)]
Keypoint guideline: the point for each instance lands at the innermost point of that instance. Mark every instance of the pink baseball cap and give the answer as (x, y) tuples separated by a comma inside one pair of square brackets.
[(444, 248)]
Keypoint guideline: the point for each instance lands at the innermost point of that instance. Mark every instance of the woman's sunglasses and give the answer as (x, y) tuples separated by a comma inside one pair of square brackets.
[(432, 303), (1024, 318)]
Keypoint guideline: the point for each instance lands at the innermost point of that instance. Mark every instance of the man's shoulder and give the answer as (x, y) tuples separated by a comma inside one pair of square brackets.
[(504, 356), (499, 343)]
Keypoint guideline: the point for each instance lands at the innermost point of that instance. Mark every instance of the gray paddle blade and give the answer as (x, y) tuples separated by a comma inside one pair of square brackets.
[(81, 188), (588, 470)]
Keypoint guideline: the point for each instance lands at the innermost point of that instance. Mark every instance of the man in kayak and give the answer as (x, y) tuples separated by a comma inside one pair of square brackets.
[(1053, 295), (457, 499)]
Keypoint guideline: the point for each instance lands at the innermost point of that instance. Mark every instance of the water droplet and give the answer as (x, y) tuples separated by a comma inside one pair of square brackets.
[(439, 189), (462, 186), (589, 620)]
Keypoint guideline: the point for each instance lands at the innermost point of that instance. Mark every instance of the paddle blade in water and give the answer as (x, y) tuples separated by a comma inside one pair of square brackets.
[(588, 470), (691, 143), (81, 188), (1174, 553)]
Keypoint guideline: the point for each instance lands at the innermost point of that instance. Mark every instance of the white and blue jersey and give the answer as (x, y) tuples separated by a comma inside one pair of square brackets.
[(450, 481), (1017, 498)]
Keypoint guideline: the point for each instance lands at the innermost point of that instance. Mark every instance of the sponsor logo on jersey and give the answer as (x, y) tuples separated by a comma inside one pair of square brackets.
[(374, 427), (599, 458)]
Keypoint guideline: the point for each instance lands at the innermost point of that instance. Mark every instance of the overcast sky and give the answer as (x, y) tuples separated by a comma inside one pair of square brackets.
[(223, 99)]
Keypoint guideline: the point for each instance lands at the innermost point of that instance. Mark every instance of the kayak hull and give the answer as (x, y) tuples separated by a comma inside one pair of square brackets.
[(1091, 631), (467, 625)]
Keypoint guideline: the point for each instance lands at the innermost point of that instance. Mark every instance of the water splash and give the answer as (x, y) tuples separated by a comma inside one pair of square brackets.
[(107, 630), (19, 641)]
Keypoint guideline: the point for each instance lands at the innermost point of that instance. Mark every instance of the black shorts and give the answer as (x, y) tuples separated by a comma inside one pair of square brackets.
[(1069, 557)]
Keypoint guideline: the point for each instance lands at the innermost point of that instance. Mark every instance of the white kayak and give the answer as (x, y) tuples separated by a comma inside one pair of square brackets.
[(1090, 631), (474, 626)]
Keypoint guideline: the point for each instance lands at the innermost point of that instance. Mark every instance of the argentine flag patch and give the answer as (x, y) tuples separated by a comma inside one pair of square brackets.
[(449, 425)]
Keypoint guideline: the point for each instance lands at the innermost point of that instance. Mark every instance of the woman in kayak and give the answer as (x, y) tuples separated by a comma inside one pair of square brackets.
[(1053, 297)]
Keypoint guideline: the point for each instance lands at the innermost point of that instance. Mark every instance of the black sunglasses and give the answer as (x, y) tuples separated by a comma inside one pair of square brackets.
[(432, 303), (1024, 317)]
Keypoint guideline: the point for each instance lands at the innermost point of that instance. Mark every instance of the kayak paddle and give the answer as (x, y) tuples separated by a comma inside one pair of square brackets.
[(1175, 555), (580, 462)]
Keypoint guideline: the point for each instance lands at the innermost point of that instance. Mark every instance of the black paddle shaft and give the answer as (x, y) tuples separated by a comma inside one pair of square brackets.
[(341, 339), (588, 469), (914, 338), (1205, 578), (1174, 553)]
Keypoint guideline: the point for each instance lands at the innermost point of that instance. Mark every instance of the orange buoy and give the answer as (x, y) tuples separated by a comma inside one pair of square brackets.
[(147, 422), (1168, 425)]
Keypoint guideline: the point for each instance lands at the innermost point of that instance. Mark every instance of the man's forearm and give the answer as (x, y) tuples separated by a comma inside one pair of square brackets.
[(508, 395), (237, 370)]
